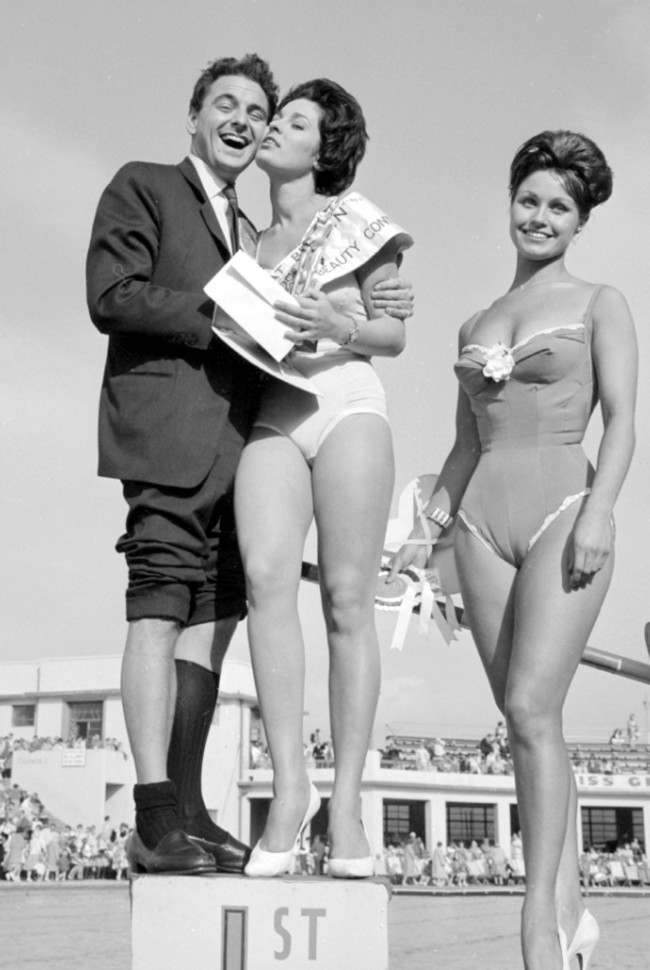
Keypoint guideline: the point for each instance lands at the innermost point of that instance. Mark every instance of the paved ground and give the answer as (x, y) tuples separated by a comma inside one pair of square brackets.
[(86, 927)]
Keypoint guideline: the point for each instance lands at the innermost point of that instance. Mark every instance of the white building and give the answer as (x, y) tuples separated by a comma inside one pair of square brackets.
[(79, 697), (454, 807)]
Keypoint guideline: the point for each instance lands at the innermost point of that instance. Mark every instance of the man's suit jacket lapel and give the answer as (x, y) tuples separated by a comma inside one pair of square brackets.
[(206, 209)]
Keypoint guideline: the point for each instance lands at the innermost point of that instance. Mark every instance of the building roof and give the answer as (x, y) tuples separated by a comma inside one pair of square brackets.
[(99, 676)]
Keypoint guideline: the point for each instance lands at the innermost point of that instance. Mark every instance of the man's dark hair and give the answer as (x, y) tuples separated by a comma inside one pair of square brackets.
[(343, 134), (577, 160), (250, 66)]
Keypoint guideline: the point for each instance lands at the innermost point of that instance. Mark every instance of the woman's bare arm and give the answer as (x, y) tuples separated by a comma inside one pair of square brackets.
[(615, 356), (452, 481)]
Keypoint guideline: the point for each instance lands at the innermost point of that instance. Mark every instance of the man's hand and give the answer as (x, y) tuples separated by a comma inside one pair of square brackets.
[(394, 297)]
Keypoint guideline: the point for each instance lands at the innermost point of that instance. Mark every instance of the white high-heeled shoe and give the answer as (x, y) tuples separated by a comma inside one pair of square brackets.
[(351, 868), (564, 949), (360, 868), (264, 863), (584, 939)]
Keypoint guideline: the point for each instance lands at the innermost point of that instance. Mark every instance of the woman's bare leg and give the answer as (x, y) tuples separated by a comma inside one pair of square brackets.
[(568, 891), (353, 482), (273, 507), (551, 628), (488, 587)]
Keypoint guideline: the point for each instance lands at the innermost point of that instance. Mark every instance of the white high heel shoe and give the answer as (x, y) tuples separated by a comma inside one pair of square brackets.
[(584, 940), (351, 868), (360, 868), (564, 949), (269, 864)]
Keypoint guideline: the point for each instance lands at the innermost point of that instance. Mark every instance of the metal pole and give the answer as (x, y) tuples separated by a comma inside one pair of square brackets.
[(611, 663), (615, 664)]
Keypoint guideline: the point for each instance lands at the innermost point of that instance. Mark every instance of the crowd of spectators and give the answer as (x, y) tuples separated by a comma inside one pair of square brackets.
[(489, 756), (622, 754), (318, 753), (408, 862), (9, 744), (628, 865), (37, 848), (630, 736)]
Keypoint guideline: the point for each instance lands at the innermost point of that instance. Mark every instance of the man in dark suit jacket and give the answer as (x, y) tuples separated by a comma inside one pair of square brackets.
[(176, 407)]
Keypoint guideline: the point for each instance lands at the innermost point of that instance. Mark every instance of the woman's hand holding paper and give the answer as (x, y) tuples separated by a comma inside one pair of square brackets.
[(315, 318)]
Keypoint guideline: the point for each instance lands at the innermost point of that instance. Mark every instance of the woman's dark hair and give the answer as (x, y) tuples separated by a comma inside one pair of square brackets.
[(250, 66), (343, 134), (577, 160)]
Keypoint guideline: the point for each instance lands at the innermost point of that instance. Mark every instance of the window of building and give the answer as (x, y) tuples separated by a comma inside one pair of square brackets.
[(23, 715), (401, 818), (320, 822), (256, 727), (259, 808), (259, 812), (85, 719), (468, 820), (608, 828), (514, 818)]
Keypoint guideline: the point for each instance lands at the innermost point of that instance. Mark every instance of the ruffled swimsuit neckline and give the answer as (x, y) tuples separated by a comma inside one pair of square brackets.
[(473, 345), (526, 340)]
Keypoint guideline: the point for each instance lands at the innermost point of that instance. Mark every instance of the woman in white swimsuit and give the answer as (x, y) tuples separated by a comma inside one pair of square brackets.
[(327, 457)]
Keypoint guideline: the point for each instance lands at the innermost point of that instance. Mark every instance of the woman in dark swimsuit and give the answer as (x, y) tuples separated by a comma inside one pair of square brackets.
[(535, 534)]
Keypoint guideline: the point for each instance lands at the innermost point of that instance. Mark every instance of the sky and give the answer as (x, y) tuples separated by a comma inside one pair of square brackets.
[(450, 89)]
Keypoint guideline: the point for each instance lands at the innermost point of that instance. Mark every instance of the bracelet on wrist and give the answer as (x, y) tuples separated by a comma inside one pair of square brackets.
[(351, 335), (439, 516)]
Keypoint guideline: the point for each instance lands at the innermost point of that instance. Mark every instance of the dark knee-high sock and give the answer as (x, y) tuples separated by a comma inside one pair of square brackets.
[(196, 699), (155, 811)]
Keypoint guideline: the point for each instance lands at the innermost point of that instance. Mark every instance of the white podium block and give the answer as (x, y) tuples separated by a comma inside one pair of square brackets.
[(234, 923)]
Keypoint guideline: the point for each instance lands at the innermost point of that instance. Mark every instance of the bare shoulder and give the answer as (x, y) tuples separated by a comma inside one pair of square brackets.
[(610, 312), (608, 300), (467, 328), (613, 333)]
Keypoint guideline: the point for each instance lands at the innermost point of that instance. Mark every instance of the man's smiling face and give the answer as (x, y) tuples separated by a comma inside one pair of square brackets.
[(228, 128)]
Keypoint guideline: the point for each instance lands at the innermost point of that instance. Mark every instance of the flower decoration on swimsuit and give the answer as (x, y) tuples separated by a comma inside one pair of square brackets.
[(498, 362)]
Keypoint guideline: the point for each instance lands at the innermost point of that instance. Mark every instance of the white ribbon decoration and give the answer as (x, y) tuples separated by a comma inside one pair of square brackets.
[(403, 617)]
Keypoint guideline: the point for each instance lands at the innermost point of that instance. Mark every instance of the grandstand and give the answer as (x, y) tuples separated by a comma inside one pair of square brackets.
[(606, 758), (460, 789)]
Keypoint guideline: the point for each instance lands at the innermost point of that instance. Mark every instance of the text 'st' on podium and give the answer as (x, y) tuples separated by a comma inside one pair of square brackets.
[(234, 923)]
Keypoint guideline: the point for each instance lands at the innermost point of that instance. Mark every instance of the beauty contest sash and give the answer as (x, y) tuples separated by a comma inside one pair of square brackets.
[(343, 236)]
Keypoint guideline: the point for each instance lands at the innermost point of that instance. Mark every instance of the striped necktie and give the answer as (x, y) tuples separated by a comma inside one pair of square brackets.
[(232, 215)]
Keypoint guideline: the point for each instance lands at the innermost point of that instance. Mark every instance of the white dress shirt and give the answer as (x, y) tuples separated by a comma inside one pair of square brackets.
[(213, 187)]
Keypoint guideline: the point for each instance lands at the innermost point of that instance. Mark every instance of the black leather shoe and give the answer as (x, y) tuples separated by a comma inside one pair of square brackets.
[(229, 855), (175, 854)]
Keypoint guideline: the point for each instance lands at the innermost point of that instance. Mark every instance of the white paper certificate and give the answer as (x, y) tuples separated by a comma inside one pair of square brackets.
[(246, 292), (251, 351)]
